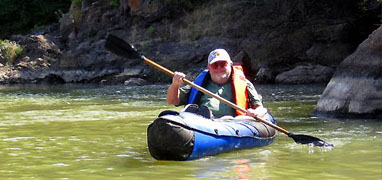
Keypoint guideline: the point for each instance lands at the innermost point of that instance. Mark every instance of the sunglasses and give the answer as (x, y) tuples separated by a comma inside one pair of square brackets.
[(219, 65)]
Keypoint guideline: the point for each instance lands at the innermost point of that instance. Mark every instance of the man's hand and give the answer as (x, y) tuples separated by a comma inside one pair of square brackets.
[(177, 79), (259, 111)]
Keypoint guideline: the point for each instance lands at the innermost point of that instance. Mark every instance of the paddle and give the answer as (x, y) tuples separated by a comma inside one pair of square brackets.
[(122, 48)]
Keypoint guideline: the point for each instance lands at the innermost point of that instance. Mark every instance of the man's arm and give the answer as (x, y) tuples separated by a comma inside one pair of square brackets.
[(256, 106), (173, 94)]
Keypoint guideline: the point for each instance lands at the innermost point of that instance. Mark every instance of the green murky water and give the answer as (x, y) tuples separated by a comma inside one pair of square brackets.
[(99, 132)]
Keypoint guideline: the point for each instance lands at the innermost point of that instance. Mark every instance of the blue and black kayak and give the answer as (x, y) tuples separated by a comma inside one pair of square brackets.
[(187, 135)]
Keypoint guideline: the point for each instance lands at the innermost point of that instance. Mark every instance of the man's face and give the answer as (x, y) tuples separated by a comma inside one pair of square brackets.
[(220, 71)]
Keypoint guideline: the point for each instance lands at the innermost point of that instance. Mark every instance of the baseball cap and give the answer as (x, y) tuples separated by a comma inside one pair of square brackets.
[(218, 55)]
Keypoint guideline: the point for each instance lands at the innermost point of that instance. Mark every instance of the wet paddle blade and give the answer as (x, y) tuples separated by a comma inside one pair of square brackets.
[(121, 47), (305, 139)]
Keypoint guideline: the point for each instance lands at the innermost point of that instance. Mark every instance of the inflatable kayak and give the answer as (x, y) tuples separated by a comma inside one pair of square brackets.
[(188, 135)]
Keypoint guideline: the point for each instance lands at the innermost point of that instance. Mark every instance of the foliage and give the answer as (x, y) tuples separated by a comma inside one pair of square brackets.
[(184, 4), (211, 20), (180, 3), (114, 3), (22, 15), (10, 51), (78, 2), (150, 31), (176, 7)]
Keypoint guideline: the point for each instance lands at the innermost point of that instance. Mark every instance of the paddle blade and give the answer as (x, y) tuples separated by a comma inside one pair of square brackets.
[(305, 139), (121, 47)]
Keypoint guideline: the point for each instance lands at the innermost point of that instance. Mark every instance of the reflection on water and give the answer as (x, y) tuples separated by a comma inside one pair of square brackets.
[(98, 132)]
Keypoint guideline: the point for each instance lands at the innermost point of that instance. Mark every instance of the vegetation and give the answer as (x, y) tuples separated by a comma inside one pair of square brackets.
[(22, 16), (9, 51), (180, 3), (114, 3), (78, 2), (209, 21)]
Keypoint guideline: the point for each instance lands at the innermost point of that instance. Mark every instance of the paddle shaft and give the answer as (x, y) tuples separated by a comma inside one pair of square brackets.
[(205, 91)]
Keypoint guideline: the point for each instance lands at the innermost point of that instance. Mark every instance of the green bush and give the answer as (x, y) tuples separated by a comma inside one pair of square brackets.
[(114, 3), (22, 16), (9, 51), (181, 3), (150, 32), (78, 2)]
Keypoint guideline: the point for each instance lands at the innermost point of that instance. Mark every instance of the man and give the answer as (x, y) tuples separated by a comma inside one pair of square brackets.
[(223, 79)]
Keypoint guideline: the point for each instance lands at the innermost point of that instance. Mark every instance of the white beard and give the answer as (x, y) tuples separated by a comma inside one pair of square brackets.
[(220, 79)]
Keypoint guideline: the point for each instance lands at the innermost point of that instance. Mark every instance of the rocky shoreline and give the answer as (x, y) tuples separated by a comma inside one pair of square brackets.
[(276, 41)]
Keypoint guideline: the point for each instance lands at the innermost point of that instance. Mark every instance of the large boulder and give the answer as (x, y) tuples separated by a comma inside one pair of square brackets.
[(356, 87), (304, 74)]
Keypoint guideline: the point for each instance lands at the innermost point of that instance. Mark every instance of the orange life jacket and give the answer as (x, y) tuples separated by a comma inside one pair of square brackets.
[(240, 88)]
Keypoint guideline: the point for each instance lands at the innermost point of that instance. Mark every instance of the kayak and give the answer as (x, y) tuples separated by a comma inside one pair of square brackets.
[(187, 135)]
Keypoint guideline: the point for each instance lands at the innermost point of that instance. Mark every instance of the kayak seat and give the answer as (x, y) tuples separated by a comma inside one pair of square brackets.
[(202, 110), (168, 112)]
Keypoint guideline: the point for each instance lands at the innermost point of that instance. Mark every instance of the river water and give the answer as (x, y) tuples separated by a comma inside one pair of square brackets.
[(99, 132)]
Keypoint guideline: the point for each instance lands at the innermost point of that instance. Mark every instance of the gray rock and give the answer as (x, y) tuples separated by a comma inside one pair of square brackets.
[(356, 86), (329, 53), (267, 73), (66, 25), (135, 82), (305, 74)]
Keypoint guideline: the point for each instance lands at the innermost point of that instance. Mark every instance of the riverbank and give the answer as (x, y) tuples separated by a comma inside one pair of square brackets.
[(275, 41)]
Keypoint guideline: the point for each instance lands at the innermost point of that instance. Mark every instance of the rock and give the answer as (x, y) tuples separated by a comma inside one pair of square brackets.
[(268, 72), (38, 46), (355, 88), (265, 75), (39, 56), (306, 74), (68, 60), (329, 53), (128, 73), (87, 3), (50, 79), (82, 75), (135, 82), (243, 59), (185, 56), (66, 25)]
